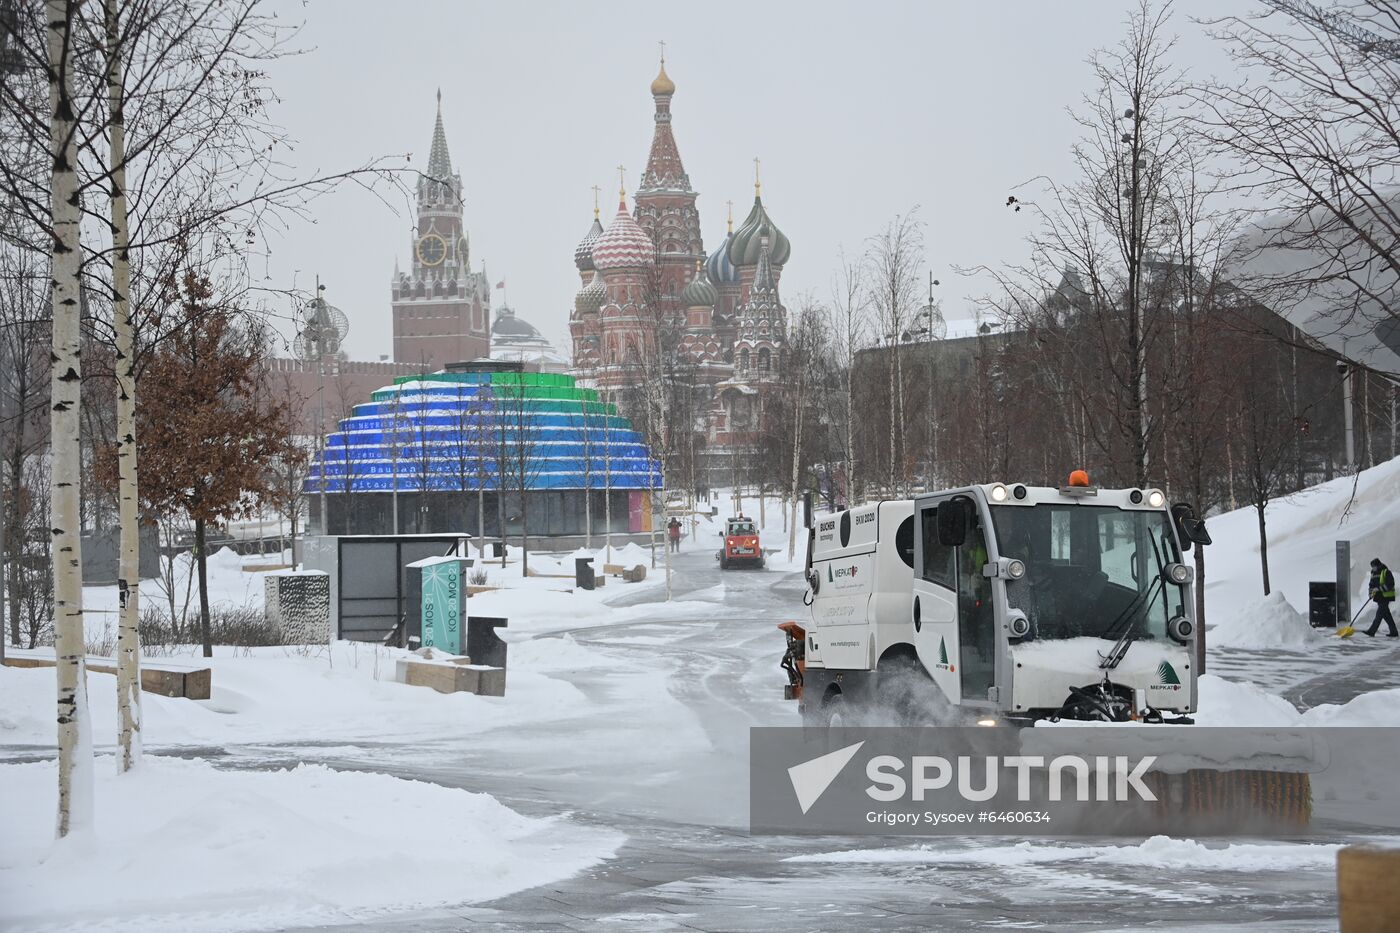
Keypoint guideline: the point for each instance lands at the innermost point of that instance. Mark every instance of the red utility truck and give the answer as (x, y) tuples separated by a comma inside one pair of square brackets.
[(740, 543)]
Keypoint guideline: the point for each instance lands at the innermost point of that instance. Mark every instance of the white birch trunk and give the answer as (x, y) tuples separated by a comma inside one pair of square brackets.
[(655, 501), (796, 463), (74, 730), (129, 560)]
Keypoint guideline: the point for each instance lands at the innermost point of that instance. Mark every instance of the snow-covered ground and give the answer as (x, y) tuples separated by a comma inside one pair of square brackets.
[(622, 742), (182, 845), (1267, 640), (1303, 530)]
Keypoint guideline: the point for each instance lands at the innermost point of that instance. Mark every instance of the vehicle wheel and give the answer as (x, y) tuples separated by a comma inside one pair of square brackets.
[(907, 696), (723, 562), (835, 712)]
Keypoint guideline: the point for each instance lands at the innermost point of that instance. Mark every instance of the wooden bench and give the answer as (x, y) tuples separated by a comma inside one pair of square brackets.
[(447, 674), (631, 575), (169, 679)]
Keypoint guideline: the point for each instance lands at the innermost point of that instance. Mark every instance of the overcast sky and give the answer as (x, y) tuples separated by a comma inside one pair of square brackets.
[(858, 111)]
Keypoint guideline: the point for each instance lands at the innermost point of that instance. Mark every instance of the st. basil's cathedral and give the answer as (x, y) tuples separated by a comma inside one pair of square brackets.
[(649, 289)]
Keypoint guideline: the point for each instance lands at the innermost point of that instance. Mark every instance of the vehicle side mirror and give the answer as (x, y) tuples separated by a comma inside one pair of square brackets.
[(952, 522), (1189, 528)]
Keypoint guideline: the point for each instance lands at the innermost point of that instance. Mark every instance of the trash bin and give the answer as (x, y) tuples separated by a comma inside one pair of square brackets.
[(583, 573), (1322, 604), (497, 548), (484, 643)]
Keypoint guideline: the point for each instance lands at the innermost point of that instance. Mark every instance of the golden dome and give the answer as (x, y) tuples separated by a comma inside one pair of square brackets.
[(663, 86)]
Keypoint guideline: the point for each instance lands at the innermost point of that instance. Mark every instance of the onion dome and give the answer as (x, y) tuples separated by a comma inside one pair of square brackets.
[(591, 296), (583, 253), (624, 245), (719, 269), (663, 86), (744, 245), (699, 293)]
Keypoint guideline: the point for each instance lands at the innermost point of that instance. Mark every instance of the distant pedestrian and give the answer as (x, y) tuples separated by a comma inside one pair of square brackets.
[(673, 533), (1382, 591)]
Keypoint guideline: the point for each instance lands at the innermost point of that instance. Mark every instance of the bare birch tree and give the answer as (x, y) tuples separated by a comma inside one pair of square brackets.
[(75, 791), (894, 261), (849, 325)]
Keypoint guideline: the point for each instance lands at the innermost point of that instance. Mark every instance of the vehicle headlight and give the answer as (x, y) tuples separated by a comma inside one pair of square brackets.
[(999, 493), (1156, 499), (1180, 629), (1018, 626), (1178, 573), (1016, 568)]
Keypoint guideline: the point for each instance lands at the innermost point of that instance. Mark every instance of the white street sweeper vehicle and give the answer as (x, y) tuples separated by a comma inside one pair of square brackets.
[(1000, 603)]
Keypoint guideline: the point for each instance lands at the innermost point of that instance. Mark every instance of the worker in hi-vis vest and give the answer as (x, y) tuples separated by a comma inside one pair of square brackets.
[(1382, 591)]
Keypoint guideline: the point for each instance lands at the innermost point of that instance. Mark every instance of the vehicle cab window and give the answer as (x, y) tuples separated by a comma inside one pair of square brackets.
[(939, 565)]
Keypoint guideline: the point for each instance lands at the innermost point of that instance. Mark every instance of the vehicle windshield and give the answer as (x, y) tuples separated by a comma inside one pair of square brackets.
[(1090, 570), (741, 528)]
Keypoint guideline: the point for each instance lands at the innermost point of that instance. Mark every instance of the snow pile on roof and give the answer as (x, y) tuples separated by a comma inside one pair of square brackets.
[(1156, 852), (1269, 623), (1303, 529), (182, 845)]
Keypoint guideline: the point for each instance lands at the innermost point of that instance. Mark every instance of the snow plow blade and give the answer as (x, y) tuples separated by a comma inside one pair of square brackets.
[(794, 659)]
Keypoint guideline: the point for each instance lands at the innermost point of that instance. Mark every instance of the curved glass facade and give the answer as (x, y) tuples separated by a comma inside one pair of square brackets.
[(460, 432)]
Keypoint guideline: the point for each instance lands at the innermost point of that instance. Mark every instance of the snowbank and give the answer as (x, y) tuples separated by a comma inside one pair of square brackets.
[(1378, 708), (1229, 703), (311, 693), (1269, 623), (291, 694), (1160, 852), (1222, 702), (182, 845)]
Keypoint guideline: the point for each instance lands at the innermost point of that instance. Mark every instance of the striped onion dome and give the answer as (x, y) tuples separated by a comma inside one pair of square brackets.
[(583, 253), (744, 246), (592, 295), (719, 269), (624, 245), (699, 293)]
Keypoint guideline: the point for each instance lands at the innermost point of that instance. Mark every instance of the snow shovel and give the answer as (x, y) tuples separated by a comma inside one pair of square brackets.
[(1348, 630)]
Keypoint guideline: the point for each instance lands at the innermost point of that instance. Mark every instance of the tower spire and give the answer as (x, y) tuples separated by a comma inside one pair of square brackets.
[(439, 163), (664, 170), (730, 205), (622, 186), (757, 185), (596, 189)]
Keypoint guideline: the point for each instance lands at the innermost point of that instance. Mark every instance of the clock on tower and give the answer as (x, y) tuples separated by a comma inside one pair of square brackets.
[(432, 250)]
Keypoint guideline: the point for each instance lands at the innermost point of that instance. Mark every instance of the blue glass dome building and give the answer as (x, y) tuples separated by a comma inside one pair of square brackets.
[(454, 443)]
